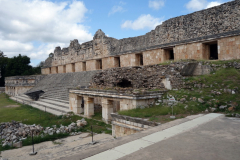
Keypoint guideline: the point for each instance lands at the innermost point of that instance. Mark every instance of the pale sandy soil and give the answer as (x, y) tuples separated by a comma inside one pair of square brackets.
[(57, 149)]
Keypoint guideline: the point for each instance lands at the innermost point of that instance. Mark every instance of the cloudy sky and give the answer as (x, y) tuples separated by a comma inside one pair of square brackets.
[(35, 27)]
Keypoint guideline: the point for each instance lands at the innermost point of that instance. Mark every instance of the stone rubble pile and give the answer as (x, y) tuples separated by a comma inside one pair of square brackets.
[(151, 77), (148, 77), (233, 64), (13, 132)]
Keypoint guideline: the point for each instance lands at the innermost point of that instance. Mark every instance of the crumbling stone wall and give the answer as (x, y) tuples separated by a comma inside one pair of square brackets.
[(213, 23), (125, 125), (17, 85)]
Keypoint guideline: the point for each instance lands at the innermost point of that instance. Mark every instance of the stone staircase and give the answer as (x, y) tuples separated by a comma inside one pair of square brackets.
[(52, 106), (55, 100), (56, 86)]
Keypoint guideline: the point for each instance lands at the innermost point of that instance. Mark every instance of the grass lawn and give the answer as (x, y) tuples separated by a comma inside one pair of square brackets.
[(159, 113), (228, 78), (29, 115)]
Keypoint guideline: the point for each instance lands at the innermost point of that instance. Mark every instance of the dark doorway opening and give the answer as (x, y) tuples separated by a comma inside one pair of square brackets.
[(99, 64), (139, 59), (116, 106), (82, 104), (117, 62), (84, 66), (171, 55), (73, 67), (64, 69), (124, 84), (213, 51)]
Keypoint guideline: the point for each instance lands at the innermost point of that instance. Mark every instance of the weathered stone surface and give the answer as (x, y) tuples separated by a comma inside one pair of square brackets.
[(116, 117), (216, 22), (17, 85), (13, 132), (148, 77), (200, 100), (195, 69)]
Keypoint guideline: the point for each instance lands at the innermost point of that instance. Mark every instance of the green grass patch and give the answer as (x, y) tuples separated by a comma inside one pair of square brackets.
[(228, 78), (30, 115), (146, 112), (39, 139)]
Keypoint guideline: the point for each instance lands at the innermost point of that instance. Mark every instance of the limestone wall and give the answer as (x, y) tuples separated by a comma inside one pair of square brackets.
[(17, 85), (125, 125), (153, 57), (186, 35), (189, 51), (229, 48)]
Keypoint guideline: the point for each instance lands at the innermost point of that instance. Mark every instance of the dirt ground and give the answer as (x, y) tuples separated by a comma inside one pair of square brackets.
[(12, 106), (57, 149)]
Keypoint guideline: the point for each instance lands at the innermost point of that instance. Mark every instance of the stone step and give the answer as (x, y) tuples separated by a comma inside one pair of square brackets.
[(58, 113), (55, 102), (59, 100), (50, 106), (57, 107), (56, 86), (65, 98)]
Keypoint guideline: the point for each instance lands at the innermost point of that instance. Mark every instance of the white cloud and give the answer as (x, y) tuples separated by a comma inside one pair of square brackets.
[(117, 8), (25, 23), (213, 4), (195, 5), (156, 5), (144, 21)]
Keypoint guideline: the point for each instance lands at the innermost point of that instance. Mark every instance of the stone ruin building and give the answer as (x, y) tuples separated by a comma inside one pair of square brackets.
[(109, 74)]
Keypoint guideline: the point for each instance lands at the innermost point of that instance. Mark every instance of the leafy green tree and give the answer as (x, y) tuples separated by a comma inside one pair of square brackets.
[(3, 65), (19, 65), (16, 66), (37, 69)]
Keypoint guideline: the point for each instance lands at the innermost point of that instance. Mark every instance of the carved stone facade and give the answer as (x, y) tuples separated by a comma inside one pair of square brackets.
[(208, 34), (83, 101), (18, 85)]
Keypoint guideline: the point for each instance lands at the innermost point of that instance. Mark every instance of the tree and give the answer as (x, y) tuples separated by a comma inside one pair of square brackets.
[(1, 54), (18, 66), (37, 69), (3, 65)]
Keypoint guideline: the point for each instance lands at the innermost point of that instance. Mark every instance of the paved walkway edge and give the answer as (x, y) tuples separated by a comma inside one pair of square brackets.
[(136, 145)]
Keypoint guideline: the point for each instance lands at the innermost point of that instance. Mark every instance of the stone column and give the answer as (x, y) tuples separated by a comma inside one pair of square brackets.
[(107, 109), (88, 106), (75, 102)]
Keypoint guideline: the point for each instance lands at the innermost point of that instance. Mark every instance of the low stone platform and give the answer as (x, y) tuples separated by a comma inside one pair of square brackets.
[(83, 101)]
